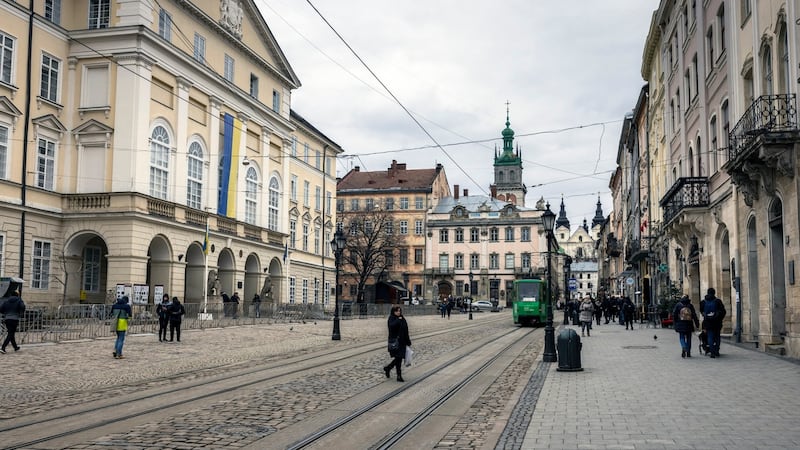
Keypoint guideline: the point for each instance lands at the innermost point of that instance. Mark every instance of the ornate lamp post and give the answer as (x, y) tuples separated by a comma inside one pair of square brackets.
[(567, 265), (338, 243), (471, 294), (549, 354)]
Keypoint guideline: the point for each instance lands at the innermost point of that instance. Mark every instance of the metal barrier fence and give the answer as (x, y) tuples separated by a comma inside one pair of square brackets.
[(91, 321)]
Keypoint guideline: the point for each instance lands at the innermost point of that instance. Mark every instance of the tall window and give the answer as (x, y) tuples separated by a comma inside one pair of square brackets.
[(40, 267), (459, 261), (509, 260), (419, 202), (494, 234), (91, 269), (444, 235), (294, 146), (317, 159), (327, 295), (292, 289), (50, 68), (52, 11), (369, 204), (419, 256), (746, 10), (509, 233), (306, 153), (293, 234), (317, 198), (328, 200), (726, 124), (3, 150), (6, 57), (199, 48), (403, 227), (444, 261), (159, 162), (354, 206), (229, 67), (305, 237), (783, 60), (766, 70), (390, 203), (713, 148), (459, 235), (525, 233), (276, 101), (494, 261), (403, 256), (710, 46), (45, 164), (317, 232), (165, 25), (526, 261), (474, 261), (99, 12), (403, 202), (418, 228), (316, 291), (253, 86), (306, 194), (251, 196), (474, 235), (194, 194), (293, 188), (721, 28), (274, 204), (695, 76)]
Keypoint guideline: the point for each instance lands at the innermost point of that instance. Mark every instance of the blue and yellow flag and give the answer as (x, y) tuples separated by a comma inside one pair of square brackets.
[(231, 137), (205, 240)]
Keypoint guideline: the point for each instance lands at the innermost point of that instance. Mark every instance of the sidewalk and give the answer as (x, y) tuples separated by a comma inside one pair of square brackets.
[(636, 392)]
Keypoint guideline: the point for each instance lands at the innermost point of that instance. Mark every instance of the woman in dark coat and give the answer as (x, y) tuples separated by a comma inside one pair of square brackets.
[(176, 312), (398, 330), (685, 324)]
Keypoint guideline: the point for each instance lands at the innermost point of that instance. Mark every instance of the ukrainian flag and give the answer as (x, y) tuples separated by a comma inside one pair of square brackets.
[(231, 137), (205, 240)]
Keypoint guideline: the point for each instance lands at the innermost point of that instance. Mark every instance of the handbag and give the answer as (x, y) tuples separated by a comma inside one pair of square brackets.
[(394, 345), (409, 356)]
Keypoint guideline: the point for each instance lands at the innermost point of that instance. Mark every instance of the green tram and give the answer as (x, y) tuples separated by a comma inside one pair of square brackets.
[(529, 301)]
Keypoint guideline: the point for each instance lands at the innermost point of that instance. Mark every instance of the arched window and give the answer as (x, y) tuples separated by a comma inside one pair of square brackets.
[(699, 149), (691, 162), (500, 176), (159, 162), (274, 204), (512, 176), (194, 188), (712, 132), (251, 196), (766, 70)]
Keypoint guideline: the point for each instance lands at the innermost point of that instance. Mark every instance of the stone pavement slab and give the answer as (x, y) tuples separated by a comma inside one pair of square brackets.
[(636, 392)]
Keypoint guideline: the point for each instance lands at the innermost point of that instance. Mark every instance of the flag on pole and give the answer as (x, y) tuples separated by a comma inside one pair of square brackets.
[(205, 241), (285, 252)]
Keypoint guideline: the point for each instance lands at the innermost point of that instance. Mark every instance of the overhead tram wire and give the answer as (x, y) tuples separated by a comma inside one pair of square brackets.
[(396, 99)]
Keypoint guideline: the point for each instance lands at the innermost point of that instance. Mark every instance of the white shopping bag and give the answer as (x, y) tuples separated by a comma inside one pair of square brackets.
[(409, 356)]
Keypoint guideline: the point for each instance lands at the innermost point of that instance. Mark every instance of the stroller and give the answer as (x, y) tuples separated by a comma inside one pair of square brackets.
[(703, 338)]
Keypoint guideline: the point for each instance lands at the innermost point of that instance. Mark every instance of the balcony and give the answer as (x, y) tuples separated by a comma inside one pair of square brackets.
[(638, 249), (442, 271), (762, 146), (687, 192), (612, 247)]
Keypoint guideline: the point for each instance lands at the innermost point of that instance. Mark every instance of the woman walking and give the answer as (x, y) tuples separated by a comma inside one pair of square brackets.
[(587, 314), (398, 341), (685, 320), (120, 313)]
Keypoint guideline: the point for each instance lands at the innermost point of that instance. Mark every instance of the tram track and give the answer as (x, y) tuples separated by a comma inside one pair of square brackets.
[(86, 419)]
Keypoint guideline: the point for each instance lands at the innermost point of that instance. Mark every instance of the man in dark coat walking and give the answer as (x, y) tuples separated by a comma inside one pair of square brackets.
[(713, 312), (685, 320)]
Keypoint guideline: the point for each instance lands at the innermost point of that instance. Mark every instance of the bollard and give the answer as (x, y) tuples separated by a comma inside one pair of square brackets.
[(569, 351)]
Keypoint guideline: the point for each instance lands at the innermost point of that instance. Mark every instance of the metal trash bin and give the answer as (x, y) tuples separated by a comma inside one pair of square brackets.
[(569, 351)]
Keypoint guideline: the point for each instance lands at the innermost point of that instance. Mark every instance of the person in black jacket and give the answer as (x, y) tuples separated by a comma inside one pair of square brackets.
[(13, 309), (398, 330), (176, 312), (713, 312), (685, 324), (162, 311)]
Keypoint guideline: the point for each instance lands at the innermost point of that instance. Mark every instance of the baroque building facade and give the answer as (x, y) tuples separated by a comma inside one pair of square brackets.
[(715, 204), (154, 145)]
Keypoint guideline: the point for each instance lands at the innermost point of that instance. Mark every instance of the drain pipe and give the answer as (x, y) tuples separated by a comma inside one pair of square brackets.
[(25, 134)]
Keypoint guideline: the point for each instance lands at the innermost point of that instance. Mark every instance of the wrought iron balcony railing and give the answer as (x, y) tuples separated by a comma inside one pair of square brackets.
[(768, 113), (638, 249), (687, 192)]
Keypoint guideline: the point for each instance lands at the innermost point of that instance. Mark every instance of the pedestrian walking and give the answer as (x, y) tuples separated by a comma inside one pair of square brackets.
[(598, 310), (162, 311), (586, 315), (120, 313), (257, 305), (685, 321), (398, 341), (629, 311), (443, 307), (176, 312), (13, 309), (449, 306), (713, 312), (226, 304), (235, 305)]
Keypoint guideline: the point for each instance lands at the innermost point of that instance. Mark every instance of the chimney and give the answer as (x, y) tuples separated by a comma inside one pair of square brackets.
[(493, 189), (466, 192), (393, 169), (357, 169), (455, 191)]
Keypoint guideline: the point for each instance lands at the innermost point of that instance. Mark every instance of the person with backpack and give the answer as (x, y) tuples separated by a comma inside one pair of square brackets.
[(120, 314), (685, 321), (713, 312)]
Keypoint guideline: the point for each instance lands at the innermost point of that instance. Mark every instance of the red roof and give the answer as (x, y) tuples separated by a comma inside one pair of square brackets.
[(396, 177)]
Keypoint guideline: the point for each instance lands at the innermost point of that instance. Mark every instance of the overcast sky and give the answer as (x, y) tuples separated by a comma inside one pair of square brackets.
[(454, 64)]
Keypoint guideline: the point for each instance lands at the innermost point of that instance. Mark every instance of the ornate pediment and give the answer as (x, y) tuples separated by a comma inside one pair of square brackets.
[(93, 133), (231, 15), (8, 109), (48, 122)]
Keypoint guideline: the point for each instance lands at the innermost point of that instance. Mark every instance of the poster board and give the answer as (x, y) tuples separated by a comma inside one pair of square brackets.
[(158, 292), (124, 289), (140, 294)]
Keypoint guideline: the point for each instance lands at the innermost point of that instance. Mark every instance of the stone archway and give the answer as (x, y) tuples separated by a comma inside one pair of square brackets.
[(159, 266), (195, 280), (83, 269), (226, 271), (777, 259), (724, 290), (445, 289), (276, 278), (252, 281)]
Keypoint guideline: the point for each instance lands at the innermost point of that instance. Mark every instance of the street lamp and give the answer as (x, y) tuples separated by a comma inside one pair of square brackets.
[(471, 294), (549, 354), (567, 266), (338, 243)]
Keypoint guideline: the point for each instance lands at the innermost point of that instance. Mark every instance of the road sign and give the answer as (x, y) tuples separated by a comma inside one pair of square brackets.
[(630, 281), (663, 268), (573, 284)]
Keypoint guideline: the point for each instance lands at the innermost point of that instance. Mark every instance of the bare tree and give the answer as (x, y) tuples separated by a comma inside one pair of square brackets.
[(371, 245)]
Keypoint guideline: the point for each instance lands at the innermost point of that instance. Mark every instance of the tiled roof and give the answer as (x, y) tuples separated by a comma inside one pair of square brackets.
[(472, 203), (396, 177)]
